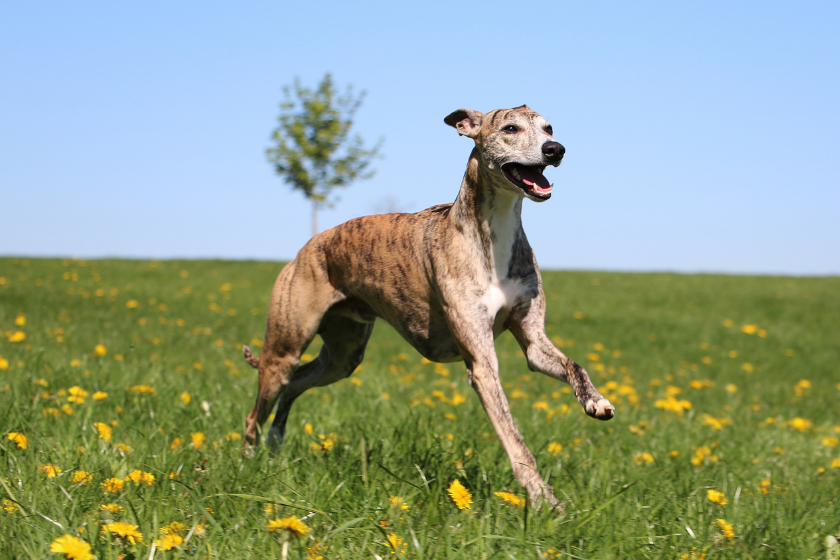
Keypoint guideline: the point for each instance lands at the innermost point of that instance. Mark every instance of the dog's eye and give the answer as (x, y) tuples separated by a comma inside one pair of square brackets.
[(511, 128), (549, 130)]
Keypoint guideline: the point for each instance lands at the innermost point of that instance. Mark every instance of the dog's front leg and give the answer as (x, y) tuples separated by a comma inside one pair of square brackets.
[(527, 324), (480, 358)]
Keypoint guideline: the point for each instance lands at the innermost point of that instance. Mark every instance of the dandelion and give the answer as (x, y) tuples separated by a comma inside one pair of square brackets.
[(396, 543), (104, 430), (731, 388), (141, 390), (17, 336), (726, 529), (100, 350), (169, 541), (82, 477), (20, 320), (112, 485), (764, 486), (512, 499), (398, 503), (138, 477), (835, 464), (9, 506), (99, 396), (125, 531), (555, 448), (800, 424), (749, 329), (290, 527), (748, 367), (18, 439), (460, 495), (132, 304), (185, 398), (4, 363), (111, 508), (72, 548), (716, 497), (231, 436), (643, 458), (50, 470), (830, 441)]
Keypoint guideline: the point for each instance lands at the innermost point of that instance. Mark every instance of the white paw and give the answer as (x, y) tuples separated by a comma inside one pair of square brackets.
[(602, 410)]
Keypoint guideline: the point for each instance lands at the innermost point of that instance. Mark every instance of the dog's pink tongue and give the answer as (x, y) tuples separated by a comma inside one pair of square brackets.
[(530, 176)]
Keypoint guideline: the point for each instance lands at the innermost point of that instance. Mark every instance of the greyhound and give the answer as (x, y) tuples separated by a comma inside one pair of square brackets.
[(449, 279)]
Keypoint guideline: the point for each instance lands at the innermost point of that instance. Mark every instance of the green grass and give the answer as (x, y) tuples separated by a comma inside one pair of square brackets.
[(391, 434)]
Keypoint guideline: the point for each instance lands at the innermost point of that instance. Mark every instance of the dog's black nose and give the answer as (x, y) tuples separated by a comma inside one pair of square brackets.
[(553, 150)]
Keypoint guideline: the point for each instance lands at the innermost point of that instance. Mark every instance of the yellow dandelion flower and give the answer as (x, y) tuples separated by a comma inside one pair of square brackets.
[(18, 439), (460, 495), (132, 304), (169, 541), (185, 398), (125, 531), (555, 448), (141, 390), (9, 506), (198, 439), (4, 363), (20, 320), (748, 367), (716, 497), (50, 470), (512, 499), (398, 503), (308, 428), (104, 430), (99, 396), (835, 464), (731, 388), (643, 458), (726, 529), (100, 350), (83, 477), (72, 548), (450, 416), (800, 424), (17, 336), (231, 436), (111, 508), (764, 486), (749, 329), (830, 441), (112, 485), (138, 477), (289, 526), (396, 543)]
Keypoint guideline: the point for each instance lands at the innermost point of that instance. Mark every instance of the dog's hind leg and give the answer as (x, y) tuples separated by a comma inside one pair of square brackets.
[(344, 347), (301, 296)]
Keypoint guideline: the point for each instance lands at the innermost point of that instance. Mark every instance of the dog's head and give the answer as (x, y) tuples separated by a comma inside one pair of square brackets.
[(516, 145)]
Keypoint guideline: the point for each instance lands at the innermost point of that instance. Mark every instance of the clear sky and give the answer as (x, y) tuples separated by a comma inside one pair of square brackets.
[(700, 136)]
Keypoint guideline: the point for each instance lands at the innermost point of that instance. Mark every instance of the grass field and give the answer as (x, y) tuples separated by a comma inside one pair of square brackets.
[(124, 382)]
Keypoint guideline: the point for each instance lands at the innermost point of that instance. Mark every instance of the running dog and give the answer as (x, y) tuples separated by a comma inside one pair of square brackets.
[(449, 279)]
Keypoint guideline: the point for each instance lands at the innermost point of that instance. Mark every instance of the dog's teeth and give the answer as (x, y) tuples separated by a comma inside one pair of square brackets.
[(516, 174)]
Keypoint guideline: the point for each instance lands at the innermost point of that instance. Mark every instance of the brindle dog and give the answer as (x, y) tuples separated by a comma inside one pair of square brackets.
[(449, 279)]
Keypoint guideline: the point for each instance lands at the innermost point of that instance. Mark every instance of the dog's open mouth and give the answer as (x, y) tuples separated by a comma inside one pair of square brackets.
[(529, 178)]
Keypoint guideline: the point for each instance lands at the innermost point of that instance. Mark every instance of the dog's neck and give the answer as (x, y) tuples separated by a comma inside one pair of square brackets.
[(490, 214)]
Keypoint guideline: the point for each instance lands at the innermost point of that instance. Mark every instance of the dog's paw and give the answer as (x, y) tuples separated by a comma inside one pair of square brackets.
[(602, 410)]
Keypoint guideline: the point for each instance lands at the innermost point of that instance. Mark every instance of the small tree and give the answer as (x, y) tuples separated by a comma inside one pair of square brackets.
[(313, 150)]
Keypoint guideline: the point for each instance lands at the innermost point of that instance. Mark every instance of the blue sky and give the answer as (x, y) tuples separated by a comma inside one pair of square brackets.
[(700, 137)]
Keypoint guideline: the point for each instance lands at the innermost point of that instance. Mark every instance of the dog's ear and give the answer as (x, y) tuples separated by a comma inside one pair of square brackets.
[(465, 121)]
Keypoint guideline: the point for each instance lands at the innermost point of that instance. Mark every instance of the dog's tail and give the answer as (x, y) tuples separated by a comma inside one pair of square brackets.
[(253, 361)]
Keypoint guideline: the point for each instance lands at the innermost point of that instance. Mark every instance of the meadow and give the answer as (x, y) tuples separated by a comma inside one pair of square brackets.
[(123, 395)]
